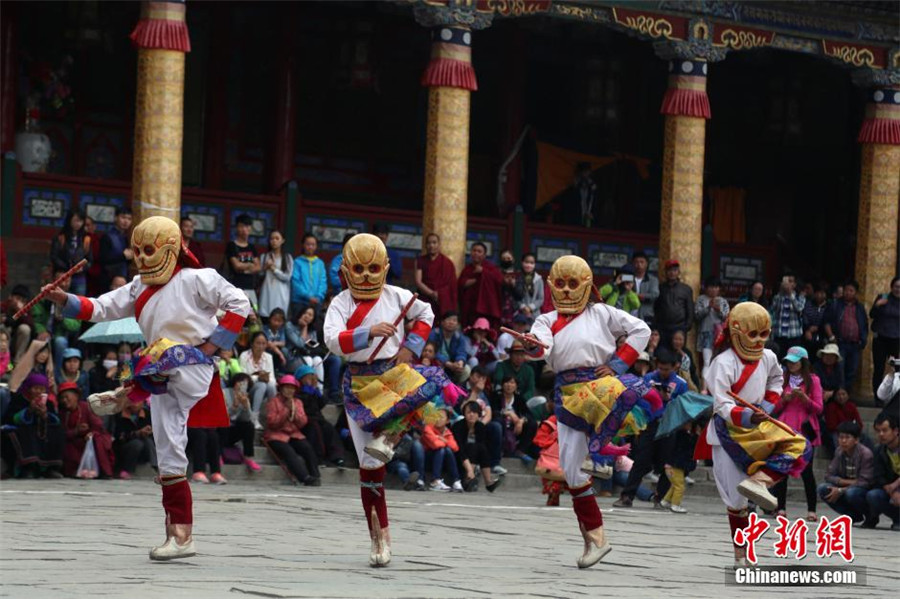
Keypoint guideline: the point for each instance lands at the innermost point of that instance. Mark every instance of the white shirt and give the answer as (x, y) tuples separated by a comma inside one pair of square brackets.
[(589, 340), (386, 309), (183, 310), (888, 387), (251, 367), (504, 342), (725, 370)]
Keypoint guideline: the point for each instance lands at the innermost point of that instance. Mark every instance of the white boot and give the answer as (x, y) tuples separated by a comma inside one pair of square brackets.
[(380, 448), (592, 468), (108, 402), (740, 558), (179, 543), (595, 547), (756, 489), (380, 554)]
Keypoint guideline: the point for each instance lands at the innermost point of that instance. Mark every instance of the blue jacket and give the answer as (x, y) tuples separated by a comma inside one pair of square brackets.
[(835, 313), (308, 279), (457, 350), (334, 277), (675, 383)]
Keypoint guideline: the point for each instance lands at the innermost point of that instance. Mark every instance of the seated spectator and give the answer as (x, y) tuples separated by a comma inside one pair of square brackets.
[(38, 438), (440, 452), (884, 496), (285, 419), (521, 324), (241, 428), (620, 293), (133, 439), (553, 479), (478, 392), (203, 445), (251, 326), (516, 367), (303, 344), (482, 351), (20, 330), (829, 371), (49, 324), (452, 347), (106, 374), (319, 432), (518, 425), (653, 343), (277, 342), (429, 355), (257, 362), (471, 438), (81, 424), (840, 410), (71, 371), (229, 366), (641, 366), (408, 463), (849, 475), (36, 360)]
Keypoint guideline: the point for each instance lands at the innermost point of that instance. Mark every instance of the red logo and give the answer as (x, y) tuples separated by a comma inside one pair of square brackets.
[(791, 538), (834, 537)]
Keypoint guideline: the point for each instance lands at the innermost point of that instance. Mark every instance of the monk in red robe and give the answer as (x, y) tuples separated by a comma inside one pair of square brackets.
[(436, 277), (480, 289)]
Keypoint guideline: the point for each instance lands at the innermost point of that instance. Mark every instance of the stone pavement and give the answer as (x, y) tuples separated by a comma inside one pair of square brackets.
[(90, 539)]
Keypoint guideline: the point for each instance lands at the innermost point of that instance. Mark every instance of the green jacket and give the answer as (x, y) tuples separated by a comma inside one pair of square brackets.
[(524, 377), (40, 313), (631, 303)]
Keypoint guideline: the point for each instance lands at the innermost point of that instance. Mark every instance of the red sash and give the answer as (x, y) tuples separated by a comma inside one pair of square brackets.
[(359, 314), (562, 321), (146, 294), (703, 450), (210, 412)]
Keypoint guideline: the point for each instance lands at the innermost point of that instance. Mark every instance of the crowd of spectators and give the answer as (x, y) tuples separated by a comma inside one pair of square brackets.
[(279, 377)]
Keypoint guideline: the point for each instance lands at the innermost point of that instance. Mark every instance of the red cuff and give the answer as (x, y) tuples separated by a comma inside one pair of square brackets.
[(345, 338), (773, 397), (421, 329), (232, 322), (736, 413), (628, 354), (86, 310)]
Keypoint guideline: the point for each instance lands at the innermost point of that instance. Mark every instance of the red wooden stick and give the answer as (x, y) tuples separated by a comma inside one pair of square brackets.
[(524, 338), (397, 322), (24, 309), (774, 421)]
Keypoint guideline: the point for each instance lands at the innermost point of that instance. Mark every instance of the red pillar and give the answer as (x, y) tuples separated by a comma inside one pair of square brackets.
[(9, 51)]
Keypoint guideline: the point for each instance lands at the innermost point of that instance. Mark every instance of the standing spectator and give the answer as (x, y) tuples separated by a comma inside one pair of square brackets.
[(813, 313), (787, 311), (105, 375), (684, 358), (885, 315), (620, 294), (518, 424), (884, 497), (277, 267), (674, 308), (645, 285), (133, 439), (440, 451), (321, 434), (285, 418), (710, 311), (115, 248), (69, 247), (187, 236), (452, 347), (70, 371), (510, 295), (335, 276), (49, 323), (395, 274), (799, 408), (20, 329), (309, 283), (829, 370), (849, 475), (95, 275), (846, 324), (756, 293), (240, 415), (530, 288), (436, 277), (480, 288), (470, 434), (838, 411), (257, 362), (889, 390), (81, 425), (516, 368), (38, 437), (837, 293), (680, 464), (243, 259)]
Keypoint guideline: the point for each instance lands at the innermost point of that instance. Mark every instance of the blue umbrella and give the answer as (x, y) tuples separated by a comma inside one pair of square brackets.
[(114, 331), (683, 409)]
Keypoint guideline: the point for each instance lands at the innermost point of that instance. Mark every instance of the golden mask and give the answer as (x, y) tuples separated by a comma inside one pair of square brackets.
[(156, 243), (571, 280), (365, 266), (749, 326)]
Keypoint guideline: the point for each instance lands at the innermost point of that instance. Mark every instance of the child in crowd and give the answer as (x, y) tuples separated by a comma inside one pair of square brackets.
[(841, 409), (285, 419), (440, 450), (241, 428), (228, 366), (71, 370), (482, 351), (552, 477), (275, 335), (681, 463), (320, 433), (429, 355), (133, 442)]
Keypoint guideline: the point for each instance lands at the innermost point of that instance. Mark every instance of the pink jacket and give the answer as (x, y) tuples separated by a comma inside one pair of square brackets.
[(281, 425), (434, 439), (796, 411)]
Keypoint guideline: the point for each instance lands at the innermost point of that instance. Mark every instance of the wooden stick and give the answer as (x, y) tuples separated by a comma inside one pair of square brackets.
[(757, 409), (524, 338), (397, 322), (59, 280)]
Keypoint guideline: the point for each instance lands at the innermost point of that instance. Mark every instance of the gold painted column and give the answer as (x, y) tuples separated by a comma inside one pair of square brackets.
[(451, 79), (162, 40), (879, 198), (686, 107)]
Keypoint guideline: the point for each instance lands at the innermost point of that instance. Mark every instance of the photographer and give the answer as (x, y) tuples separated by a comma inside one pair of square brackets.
[(849, 474), (787, 311), (889, 390), (619, 292), (885, 315), (648, 452)]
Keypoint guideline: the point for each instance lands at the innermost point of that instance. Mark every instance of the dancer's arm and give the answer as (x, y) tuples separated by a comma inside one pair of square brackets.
[(637, 336), (116, 304)]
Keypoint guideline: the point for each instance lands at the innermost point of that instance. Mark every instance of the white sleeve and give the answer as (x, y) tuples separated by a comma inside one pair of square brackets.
[(219, 294), (719, 384), (775, 376), (335, 323), (636, 330), (116, 304), (889, 385), (541, 330)]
